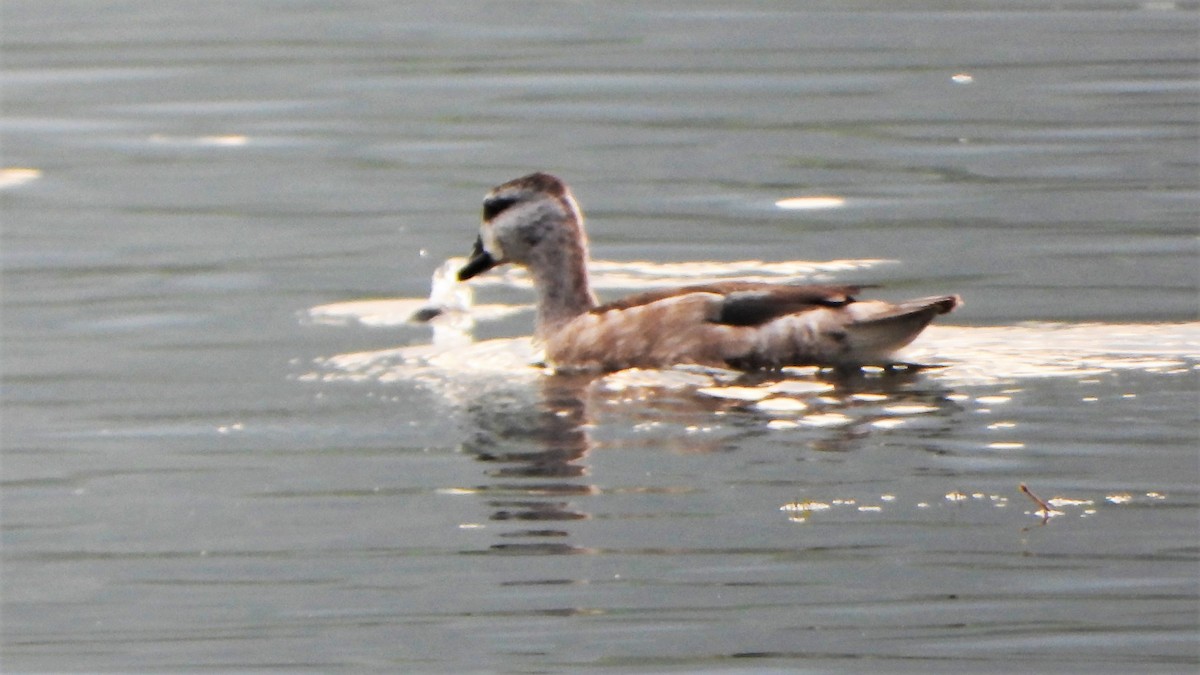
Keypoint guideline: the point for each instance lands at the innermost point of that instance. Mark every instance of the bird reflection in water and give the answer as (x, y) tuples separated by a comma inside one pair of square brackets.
[(537, 451)]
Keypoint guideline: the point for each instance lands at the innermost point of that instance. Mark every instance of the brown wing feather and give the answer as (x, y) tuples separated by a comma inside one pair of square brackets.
[(756, 307), (748, 303)]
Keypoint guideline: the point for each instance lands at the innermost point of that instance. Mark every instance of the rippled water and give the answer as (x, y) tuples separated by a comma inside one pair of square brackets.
[(224, 446)]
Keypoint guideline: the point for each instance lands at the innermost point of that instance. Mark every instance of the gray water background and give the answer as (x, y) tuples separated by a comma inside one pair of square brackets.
[(177, 495)]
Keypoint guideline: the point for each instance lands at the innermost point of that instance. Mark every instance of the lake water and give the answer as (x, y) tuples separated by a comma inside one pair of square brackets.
[(225, 449)]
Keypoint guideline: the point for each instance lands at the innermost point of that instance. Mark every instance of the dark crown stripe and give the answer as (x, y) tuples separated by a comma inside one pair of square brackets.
[(494, 206)]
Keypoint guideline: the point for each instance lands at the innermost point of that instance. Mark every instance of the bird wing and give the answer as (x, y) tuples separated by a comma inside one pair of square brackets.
[(747, 303)]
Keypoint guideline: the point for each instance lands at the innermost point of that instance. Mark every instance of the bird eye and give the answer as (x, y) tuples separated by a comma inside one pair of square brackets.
[(495, 206)]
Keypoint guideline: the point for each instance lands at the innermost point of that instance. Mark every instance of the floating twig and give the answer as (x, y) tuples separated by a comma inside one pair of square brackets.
[(1045, 507)]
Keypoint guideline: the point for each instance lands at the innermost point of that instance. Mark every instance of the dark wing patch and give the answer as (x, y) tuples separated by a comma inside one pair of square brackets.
[(748, 303), (756, 307)]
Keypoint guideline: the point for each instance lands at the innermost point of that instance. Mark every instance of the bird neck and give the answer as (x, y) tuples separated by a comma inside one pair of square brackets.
[(560, 276)]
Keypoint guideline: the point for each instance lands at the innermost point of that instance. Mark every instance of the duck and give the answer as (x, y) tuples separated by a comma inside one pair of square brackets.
[(535, 222)]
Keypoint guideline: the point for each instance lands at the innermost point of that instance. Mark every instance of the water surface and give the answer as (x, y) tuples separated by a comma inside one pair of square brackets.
[(207, 467)]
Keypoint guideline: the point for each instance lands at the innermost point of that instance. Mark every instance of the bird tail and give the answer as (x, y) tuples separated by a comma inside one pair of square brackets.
[(880, 334)]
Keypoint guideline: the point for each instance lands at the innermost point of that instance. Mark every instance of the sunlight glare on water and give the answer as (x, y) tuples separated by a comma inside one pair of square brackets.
[(966, 355)]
